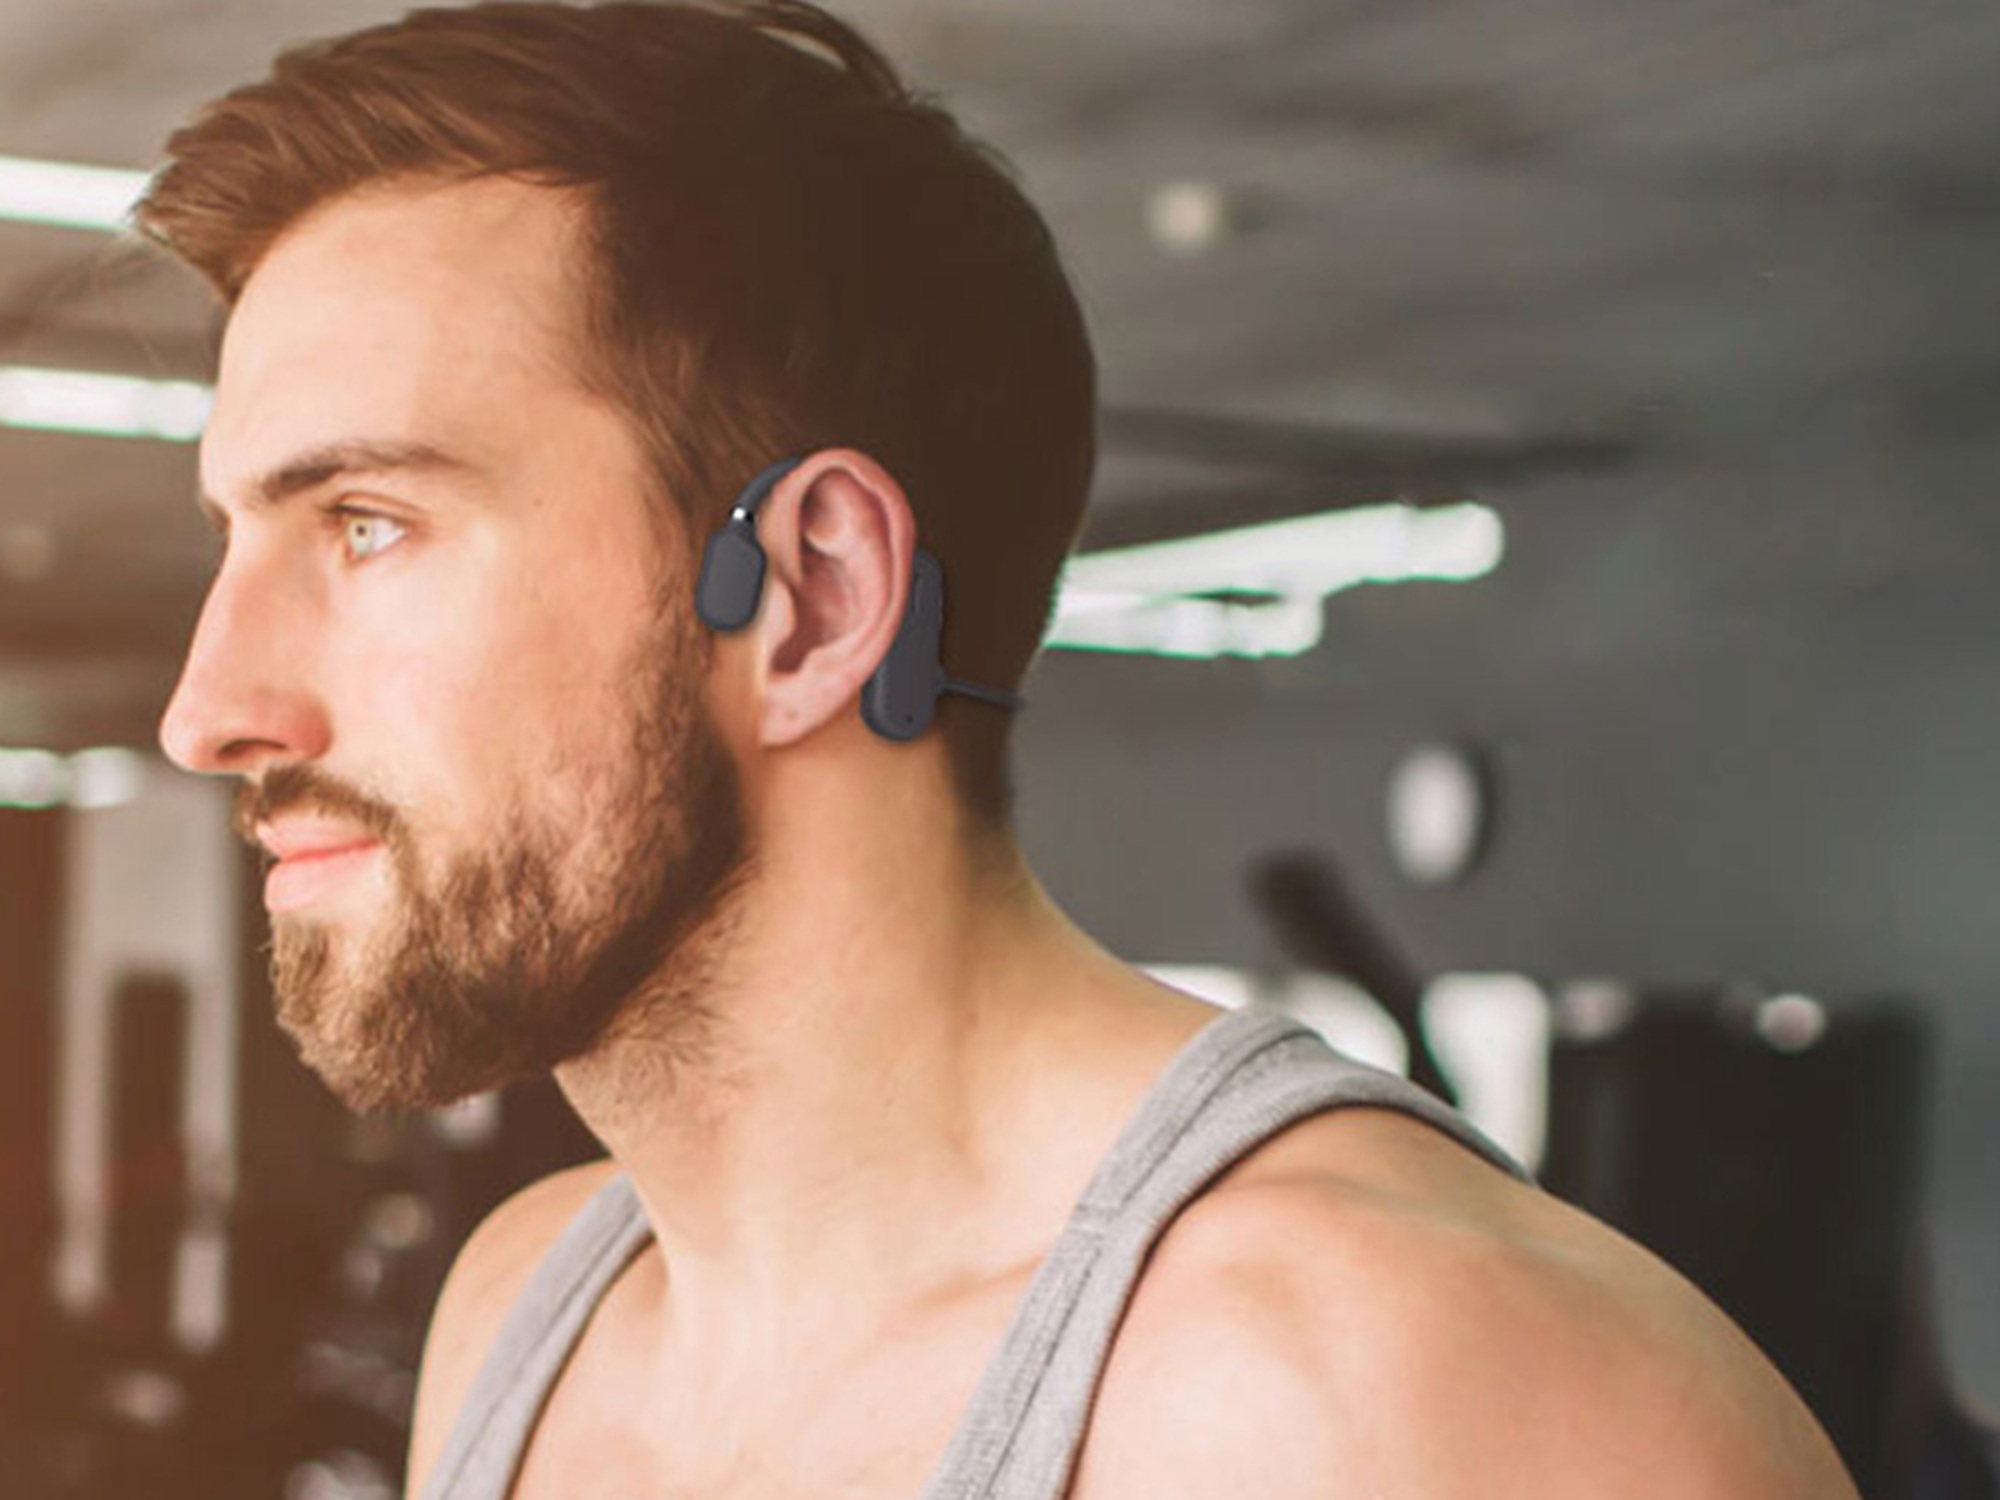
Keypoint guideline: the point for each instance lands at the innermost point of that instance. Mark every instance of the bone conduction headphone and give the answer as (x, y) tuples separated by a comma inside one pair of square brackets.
[(902, 694)]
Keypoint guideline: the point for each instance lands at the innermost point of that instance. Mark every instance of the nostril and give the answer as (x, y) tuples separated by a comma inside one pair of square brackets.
[(212, 738)]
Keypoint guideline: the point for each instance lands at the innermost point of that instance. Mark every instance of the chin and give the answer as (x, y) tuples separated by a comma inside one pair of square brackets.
[(371, 1076)]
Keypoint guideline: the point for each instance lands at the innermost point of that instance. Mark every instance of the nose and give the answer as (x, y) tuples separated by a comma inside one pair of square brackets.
[(244, 700)]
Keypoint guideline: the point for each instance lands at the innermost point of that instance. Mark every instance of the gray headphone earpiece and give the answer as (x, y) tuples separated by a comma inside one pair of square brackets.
[(900, 698), (732, 564)]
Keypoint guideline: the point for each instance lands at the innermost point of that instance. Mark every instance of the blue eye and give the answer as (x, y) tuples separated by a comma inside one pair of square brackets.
[(364, 533)]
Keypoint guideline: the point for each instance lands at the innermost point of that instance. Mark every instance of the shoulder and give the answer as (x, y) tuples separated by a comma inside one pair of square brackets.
[(1365, 1307), (486, 1279)]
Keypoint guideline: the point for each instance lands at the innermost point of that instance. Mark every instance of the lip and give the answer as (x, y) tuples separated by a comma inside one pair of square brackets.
[(304, 838), (306, 871)]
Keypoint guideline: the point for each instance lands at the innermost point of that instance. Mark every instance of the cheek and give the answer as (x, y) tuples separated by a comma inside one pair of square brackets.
[(482, 688)]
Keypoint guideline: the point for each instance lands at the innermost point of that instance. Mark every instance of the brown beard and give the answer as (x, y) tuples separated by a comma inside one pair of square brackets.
[(501, 969)]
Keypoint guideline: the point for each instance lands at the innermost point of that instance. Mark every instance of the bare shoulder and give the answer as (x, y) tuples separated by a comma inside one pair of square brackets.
[(1364, 1307), (486, 1279)]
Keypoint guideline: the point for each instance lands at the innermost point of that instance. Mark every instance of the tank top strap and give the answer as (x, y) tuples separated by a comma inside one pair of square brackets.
[(1237, 1083), (490, 1436)]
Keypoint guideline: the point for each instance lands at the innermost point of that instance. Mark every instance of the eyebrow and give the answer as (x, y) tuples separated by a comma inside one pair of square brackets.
[(351, 459)]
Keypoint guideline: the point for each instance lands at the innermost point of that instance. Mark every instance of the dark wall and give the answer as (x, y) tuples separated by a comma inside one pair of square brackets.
[(30, 883)]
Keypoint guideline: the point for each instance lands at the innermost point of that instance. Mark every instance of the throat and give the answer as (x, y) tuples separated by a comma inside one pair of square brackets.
[(786, 1413)]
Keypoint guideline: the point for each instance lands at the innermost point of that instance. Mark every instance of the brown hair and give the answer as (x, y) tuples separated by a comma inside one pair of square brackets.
[(790, 249)]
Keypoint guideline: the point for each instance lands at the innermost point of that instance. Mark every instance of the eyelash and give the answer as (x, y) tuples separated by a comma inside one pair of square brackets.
[(340, 516)]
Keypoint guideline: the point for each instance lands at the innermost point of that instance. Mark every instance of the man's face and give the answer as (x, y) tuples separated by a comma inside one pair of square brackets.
[(443, 638)]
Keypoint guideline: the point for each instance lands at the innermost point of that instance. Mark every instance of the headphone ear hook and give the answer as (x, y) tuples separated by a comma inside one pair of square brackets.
[(899, 698)]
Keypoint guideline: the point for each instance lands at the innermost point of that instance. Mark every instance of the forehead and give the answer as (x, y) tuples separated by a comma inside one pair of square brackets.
[(445, 314)]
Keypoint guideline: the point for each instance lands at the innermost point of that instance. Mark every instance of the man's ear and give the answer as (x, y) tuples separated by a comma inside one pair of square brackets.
[(839, 540)]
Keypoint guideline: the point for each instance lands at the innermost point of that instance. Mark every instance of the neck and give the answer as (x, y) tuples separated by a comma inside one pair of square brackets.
[(908, 1064)]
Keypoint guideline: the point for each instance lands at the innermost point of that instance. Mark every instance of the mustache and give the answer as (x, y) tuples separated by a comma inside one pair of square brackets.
[(305, 789)]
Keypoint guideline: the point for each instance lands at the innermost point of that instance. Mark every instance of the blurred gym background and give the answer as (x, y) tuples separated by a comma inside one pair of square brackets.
[(1540, 620)]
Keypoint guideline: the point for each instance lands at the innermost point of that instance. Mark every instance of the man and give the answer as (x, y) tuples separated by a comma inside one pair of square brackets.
[(520, 300)]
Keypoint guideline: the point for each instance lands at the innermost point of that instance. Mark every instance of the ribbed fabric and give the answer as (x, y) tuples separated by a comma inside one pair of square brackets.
[(506, 1399), (1241, 1080)]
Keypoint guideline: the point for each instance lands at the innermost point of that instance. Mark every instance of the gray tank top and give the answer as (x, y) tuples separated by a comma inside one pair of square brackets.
[(1239, 1081)]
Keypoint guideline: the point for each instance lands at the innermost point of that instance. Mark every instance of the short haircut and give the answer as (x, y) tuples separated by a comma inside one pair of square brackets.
[(788, 250)]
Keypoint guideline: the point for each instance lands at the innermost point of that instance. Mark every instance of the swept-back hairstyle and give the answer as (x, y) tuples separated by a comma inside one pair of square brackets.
[(788, 250)]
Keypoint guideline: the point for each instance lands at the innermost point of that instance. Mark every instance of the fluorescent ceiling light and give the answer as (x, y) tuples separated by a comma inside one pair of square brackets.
[(105, 405), (41, 779), (1151, 598), (1187, 627), (33, 779), (65, 193), (106, 777), (1310, 555)]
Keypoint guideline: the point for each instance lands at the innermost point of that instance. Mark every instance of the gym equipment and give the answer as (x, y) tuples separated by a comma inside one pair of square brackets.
[(1316, 915), (1778, 1166)]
